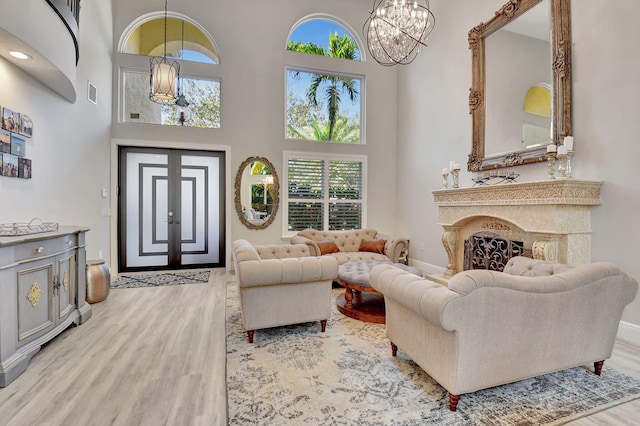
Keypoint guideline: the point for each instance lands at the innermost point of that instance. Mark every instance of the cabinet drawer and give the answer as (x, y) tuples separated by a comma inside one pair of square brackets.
[(43, 248)]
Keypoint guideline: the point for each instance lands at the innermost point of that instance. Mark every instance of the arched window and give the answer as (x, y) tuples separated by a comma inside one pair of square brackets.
[(186, 41), (324, 104), (324, 36)]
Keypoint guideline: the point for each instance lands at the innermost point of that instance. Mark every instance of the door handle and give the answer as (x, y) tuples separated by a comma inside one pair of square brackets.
[(170, 217)]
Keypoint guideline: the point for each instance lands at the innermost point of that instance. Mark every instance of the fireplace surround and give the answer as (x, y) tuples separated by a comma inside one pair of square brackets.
[(551, 218)]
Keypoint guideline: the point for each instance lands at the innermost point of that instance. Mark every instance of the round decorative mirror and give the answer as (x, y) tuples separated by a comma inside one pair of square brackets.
[(257, 192)]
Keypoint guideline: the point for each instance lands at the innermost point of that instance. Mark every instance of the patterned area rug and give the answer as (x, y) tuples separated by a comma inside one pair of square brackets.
[(296, 375), (155, 280)]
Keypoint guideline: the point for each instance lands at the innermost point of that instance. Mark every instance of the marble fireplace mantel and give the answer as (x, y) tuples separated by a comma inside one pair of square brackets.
[(552, 217)]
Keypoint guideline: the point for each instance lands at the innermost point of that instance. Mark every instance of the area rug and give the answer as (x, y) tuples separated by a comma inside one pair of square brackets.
[(155, 280), (296, 375)]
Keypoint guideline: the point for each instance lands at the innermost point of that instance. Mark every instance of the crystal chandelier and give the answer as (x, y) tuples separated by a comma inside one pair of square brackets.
[(164, 73), (396, 30)]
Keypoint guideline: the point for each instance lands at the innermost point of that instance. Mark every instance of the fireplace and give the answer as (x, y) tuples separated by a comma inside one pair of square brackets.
[(490, 250), (552, 219)]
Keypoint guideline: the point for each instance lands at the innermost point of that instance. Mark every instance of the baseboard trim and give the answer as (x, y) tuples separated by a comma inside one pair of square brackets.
[(426, 268), (629, 333)]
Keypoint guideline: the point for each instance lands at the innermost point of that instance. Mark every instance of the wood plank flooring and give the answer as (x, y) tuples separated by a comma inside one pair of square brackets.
[(156, 356), (148, 356)]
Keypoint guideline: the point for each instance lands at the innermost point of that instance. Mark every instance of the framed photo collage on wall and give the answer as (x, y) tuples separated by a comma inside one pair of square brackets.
[(16, 127)]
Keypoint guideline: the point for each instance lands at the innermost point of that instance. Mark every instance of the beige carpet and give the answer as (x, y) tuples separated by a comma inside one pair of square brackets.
[(297, 375)]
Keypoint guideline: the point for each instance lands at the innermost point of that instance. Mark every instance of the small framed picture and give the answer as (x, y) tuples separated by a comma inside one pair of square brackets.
[(24, 168), (10, 120), (18, 146), (9, 165), (5, 141), (26, 126)]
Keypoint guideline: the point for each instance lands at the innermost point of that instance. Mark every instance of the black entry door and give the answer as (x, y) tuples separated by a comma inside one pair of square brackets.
[(170, 209)]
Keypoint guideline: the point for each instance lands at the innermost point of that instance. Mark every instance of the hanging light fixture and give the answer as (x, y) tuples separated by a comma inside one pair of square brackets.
[(181, 102), (396, 30), (164, 73)]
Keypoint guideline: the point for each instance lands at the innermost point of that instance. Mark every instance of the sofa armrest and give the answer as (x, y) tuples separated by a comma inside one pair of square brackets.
[(421, 296), (255, 273), (394, 246), (314, 250)]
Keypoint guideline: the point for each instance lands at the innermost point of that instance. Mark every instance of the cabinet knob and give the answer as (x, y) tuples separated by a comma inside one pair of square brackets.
[(40, 250), (70, 243)]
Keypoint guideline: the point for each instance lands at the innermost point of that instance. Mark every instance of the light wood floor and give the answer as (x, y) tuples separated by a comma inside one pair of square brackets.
[(156, 356)]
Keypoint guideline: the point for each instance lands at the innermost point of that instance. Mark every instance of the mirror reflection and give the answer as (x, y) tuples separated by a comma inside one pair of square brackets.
[(520, 97), (518, 61), (256, 192)]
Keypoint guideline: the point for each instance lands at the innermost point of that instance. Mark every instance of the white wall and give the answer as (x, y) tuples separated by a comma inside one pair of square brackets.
[(435, 126), (251, 36), (70, 142)]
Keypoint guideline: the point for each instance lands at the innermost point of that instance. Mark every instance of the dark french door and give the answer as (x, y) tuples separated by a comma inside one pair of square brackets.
[(170, 209)]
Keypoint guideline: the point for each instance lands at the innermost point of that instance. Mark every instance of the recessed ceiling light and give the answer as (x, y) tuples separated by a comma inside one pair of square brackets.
[(19, 55)]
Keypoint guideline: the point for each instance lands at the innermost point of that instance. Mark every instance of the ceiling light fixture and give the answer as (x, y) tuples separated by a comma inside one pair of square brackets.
[(164, 73), (181, 101), (396, 30), (19, 55)]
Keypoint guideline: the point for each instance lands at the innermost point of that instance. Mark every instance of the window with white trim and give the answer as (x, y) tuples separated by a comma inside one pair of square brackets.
[(324, 104), (324, 192)]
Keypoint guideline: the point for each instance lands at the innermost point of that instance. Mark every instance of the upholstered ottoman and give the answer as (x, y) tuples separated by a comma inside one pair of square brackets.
[(365, 304)]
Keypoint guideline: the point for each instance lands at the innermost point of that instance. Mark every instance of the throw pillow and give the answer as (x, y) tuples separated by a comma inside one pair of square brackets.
[(374, 246), (328, 247)]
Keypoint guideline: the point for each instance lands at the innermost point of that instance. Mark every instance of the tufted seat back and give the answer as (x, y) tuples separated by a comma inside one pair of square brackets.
[(348, 241), (274, 251), (528, 267)]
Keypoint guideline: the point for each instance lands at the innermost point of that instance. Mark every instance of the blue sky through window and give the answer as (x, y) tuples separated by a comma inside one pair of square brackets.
[(317, 31)]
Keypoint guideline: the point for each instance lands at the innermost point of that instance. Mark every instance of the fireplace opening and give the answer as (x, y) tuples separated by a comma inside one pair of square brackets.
[(489, 250)]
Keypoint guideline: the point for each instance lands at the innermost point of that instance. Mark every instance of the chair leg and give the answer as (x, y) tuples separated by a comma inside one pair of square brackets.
[(394, 349), (323, 325), (250, 335), (453, 401), (597, 366)]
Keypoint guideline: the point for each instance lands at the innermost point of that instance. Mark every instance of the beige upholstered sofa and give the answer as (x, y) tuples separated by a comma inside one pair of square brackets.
[(281, 285), (490, 328), (352, 246)]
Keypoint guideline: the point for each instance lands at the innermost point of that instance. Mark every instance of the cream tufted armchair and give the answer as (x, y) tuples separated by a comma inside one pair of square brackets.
[(489, 328), (281, 285), (352, 246)]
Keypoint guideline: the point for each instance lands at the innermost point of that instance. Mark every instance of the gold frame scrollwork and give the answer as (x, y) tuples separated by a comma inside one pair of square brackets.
[(276, 194), (562, 85)]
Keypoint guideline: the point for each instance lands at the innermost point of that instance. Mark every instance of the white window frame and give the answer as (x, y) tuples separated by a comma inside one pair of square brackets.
[(284, 191), (134, 70), (361, 95)]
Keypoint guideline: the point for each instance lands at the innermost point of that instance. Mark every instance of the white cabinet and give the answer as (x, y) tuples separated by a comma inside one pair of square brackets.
[(42, 292)]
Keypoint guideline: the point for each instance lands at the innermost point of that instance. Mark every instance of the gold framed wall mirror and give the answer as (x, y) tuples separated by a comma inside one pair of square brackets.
[(525, 46), (257, 193)]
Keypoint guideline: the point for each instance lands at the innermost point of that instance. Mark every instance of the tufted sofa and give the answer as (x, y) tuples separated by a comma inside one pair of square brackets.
[(282, 284), (490, 328), (350, 245)]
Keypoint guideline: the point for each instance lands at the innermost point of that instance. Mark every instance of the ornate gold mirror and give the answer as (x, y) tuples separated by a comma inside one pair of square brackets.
[(257, 192), (521, 60)]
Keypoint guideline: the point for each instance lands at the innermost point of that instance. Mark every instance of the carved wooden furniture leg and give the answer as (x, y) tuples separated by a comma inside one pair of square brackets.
[(453, 401), (323, 325), (394, 349), (598, 367), (250, 335), (348, 296)]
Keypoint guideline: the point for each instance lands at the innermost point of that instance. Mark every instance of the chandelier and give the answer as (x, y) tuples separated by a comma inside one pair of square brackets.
[(396, 30), (164, 73)]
